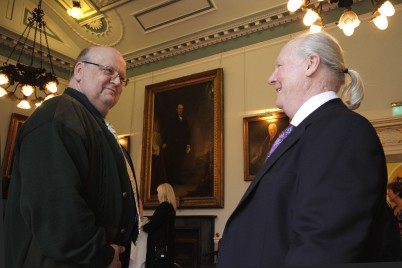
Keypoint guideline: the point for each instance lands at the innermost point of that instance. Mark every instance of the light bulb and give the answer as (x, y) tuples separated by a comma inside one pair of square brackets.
[(315, 28), (387, 9), (27, 90), (348, 22), (2, 92), (381, 22), (348, 31), (294, 5), (3, 79), (24, 104), (52, 87), (75, 12), (310, 17)]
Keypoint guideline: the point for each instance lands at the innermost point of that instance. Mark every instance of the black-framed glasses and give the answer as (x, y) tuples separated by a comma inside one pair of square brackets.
[(110, 71)]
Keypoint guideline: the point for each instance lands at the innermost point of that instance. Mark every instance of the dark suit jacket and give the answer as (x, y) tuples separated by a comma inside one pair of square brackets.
[(320, 198), (70, 196)]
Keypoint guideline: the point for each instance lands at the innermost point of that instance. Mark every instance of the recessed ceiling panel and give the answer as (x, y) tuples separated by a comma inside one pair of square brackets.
[(172, 12)]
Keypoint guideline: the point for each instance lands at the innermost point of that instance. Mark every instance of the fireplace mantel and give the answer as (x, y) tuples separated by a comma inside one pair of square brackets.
[(194, 241)]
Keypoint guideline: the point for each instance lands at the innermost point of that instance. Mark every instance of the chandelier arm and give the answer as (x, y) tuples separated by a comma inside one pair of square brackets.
[(25, 41), (34, 43), (48, 49), (41, 48), (19, 42)]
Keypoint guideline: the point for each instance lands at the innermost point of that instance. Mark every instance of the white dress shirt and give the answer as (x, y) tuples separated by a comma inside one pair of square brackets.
[(311, 105)]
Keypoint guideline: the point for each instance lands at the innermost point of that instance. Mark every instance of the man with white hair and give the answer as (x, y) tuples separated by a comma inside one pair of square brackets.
[(320, 197)]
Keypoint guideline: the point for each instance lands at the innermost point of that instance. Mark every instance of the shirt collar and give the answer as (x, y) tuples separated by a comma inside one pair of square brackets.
[(311, 105)]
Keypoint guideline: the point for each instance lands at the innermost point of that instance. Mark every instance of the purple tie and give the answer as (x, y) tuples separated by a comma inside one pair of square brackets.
[(281, 137)]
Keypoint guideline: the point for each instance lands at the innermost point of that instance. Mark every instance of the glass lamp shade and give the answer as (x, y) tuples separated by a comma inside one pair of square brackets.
[(294, 5), (3, 79), (27, 90), (24, 104), (381, 22), (387, 9), (315, 28), (310, 17), (3, 92), (52, 87), (348, 31), (348, 22)]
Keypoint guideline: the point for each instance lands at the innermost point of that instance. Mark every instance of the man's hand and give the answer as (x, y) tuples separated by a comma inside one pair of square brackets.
[(116, 260)]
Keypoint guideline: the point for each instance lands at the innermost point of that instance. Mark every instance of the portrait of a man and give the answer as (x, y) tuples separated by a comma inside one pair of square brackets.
[(183, 140), (182, 135), (176, 143), (260, 135)]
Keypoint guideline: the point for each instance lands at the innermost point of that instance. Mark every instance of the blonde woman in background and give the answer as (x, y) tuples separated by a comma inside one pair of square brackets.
[(160, 229)]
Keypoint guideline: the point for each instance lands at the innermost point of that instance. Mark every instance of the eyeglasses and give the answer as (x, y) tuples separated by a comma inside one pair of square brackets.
[(110, 71)]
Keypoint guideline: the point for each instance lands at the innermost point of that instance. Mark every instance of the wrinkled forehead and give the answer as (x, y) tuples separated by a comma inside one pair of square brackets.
[(290, 50)]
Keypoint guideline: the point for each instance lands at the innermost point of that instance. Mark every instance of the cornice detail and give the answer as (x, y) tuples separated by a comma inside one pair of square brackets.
[(256, 23)]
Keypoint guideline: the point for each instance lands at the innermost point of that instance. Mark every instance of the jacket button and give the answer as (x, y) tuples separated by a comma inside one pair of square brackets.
[(122, 230), (125, 194)]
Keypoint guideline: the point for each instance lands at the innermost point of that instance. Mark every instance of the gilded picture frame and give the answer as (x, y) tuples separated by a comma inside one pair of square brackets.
[(183, 140), (16, 122), (124, 141), (259, 133)]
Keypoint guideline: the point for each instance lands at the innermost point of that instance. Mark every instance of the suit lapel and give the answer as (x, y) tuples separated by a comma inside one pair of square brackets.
[(284, 146), (291, 140)]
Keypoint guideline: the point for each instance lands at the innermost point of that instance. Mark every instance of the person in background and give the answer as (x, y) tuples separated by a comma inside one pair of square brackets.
[(71, 199), (160, 229), (394, 192), (320, 197), (176, 142)]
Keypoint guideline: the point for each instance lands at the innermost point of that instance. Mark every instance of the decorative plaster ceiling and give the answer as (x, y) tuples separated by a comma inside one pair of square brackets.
[(146, 31)]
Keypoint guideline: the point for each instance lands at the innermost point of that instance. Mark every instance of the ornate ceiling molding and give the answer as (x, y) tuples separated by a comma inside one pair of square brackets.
[(110, 32), (256, 23)]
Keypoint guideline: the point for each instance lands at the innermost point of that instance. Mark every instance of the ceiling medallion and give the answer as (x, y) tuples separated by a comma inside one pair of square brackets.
[(99, 27), (95, 25)]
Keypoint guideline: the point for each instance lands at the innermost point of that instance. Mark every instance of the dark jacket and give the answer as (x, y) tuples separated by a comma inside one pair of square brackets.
[(319, 199), (70, 194), (160, 231)]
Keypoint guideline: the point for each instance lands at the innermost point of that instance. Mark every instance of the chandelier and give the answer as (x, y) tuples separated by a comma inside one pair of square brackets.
[(26, 83), (75, 11), (348, 20)]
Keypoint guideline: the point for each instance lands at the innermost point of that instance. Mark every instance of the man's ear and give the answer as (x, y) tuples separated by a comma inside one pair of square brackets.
[(78, 71), (313, 61)]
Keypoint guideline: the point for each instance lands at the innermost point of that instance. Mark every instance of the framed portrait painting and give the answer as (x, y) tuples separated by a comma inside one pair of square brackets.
[(16, 122), (183, 140), (260, 132)]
